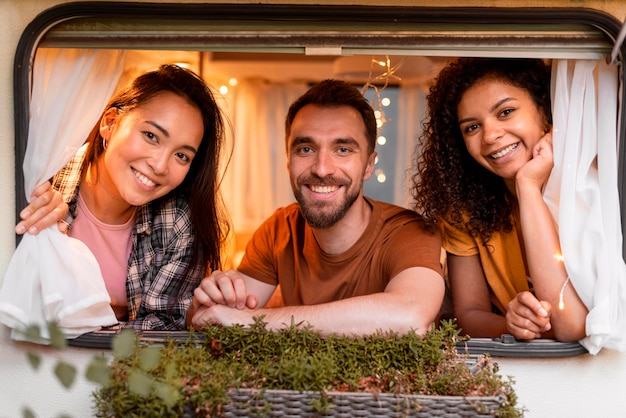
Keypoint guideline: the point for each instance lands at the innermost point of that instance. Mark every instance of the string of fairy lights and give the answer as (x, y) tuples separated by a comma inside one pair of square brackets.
[(381, 73)]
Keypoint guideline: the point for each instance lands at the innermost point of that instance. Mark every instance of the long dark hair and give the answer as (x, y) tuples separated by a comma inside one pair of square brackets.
[(449, 184), (202, 181)]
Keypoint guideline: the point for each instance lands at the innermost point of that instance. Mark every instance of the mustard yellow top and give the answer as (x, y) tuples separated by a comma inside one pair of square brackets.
[(501, 259)]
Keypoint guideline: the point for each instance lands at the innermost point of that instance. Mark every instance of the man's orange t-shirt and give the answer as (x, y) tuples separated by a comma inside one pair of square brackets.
[(283, 251)]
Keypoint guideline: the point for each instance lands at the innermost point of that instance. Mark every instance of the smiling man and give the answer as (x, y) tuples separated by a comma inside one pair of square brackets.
[(346, 264)]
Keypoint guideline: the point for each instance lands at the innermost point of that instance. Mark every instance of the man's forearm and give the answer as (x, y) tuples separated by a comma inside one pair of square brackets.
[(410, 302), (362, 315)]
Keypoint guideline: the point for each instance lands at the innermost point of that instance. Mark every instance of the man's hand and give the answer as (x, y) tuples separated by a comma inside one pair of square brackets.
[(222, 315), (46, 208), (223, 288), (527, 317), (221, 298), (228, 289)]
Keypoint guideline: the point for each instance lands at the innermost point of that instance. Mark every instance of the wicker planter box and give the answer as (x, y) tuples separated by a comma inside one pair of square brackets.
[(236, 372), (287, 403)]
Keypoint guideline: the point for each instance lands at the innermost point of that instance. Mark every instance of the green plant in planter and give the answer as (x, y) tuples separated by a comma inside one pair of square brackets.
[(202, 376)]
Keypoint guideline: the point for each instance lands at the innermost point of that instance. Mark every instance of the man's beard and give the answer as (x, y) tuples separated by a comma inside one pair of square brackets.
[(324, 214)]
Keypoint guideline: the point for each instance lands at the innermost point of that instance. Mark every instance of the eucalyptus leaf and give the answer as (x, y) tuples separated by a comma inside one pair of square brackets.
[(27, 413), (66, 373), (98, 371), (34, 360), (168, 393), (124, 343), (170, 371), (139, 383), (57, 339), (33, 333), (149, 358)]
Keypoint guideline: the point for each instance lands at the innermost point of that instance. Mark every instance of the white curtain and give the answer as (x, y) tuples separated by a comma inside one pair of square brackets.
[(411, 115), (582, 193), (257, 182), (51, 276)]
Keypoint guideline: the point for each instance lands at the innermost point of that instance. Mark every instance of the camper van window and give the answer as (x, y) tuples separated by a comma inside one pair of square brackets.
[(301, 44), (261, 57)]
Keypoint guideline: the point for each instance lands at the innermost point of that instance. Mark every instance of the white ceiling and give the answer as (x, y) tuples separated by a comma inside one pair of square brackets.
[(219, 67)]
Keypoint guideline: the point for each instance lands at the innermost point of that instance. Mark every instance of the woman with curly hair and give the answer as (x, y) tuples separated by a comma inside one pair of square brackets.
[(487, 153)]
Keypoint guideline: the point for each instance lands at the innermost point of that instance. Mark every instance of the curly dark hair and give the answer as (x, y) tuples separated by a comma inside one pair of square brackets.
[(449, 184)]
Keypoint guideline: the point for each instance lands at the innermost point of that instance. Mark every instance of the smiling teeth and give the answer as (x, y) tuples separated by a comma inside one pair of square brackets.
[(504, 152), (143, 179), (323, 189)]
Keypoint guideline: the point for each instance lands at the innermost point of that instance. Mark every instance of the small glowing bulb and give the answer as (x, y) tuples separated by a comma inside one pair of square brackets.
[(559, 257), (386, 101), (381, 140), (380, 176), (223, 89), (232, 82)]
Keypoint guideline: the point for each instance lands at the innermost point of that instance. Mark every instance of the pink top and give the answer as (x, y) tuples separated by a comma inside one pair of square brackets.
[(111, 245)]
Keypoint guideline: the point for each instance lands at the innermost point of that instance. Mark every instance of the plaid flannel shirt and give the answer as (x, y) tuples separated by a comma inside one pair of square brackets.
[(161, 251)]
